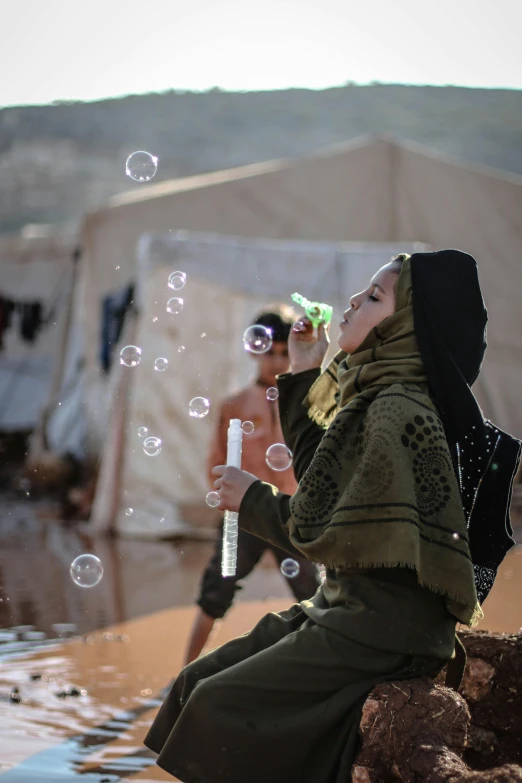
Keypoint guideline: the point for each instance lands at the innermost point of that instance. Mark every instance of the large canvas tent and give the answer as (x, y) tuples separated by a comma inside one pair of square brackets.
[(373, 190), (39, 363)]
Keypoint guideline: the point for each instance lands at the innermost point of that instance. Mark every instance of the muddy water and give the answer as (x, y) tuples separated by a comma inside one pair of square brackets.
[(39, 602), (119, 644), (55, 636)]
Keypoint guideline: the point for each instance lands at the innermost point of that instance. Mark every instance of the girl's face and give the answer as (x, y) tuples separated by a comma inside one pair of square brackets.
[(369, 308)]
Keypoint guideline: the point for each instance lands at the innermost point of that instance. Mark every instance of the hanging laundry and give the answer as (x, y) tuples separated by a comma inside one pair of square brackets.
[(114, 311), (6, 311), (31, 320)]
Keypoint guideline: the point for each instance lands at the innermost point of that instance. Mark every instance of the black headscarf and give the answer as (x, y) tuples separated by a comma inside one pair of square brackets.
[(450, 324)]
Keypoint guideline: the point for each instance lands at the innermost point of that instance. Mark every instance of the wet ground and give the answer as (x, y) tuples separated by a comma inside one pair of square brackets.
[(82, 671)]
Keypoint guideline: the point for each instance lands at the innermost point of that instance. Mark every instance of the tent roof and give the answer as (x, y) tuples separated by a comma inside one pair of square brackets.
[(199, 181)]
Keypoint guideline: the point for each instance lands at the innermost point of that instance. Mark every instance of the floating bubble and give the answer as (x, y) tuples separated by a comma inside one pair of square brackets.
[(456, 536), (175, 305), (177, 280), (142, 431), (257, 339), (199, 407), (129, 512), (213, 500), (161, 364), (290, 568), (278, 457), (86, 570), (130, 356), (203, 334), (181, 349), (272, 393), (299, 326), (248, 427), (141, 166), (152, 446)]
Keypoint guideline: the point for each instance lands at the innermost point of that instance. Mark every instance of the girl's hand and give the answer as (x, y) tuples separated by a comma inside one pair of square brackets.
[(305, 348), (231, 484)]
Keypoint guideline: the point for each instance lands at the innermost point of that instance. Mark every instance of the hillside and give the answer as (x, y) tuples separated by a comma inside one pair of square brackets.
[(57, 161)]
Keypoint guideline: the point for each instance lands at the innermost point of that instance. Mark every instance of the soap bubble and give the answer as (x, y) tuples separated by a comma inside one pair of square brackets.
[(86, 570), (299, 326), (213, 500), (278, 457), (272, 393), (290, 568), (152, 446), (257, 339), (175, 305), (248, 427), (129, 512), (177, 280), (161, 364), (130, 356), (142, 432), (181, 349), (199, 407), (141, 166)]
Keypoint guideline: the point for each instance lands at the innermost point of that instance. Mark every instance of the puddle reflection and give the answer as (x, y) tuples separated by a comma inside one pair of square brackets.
[(39, 602)]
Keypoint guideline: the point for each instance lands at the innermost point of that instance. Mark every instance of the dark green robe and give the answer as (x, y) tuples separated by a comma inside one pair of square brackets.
[(283, 702)]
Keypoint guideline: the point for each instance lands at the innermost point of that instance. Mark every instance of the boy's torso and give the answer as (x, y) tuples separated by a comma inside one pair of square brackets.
[(251, 404)]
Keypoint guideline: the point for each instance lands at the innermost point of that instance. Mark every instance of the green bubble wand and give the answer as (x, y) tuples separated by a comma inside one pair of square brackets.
[(316, 312)]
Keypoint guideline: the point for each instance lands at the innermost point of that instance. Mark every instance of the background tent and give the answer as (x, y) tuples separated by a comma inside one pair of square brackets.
[(372, 190), (228, 280), (39, 345)]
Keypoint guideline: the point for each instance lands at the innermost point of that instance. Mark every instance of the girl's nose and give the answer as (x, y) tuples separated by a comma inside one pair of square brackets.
[(354, 303)]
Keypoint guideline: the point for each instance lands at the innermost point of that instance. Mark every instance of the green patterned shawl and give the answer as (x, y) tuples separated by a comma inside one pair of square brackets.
[(381, 490)]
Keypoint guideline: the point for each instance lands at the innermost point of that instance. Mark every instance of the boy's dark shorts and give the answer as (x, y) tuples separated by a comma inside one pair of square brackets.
[(217, 593)]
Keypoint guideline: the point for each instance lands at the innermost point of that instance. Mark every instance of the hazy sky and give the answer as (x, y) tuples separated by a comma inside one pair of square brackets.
[(88, 49)]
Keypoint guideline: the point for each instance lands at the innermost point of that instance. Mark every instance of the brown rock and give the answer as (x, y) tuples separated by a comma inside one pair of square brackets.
[(417, 730), (477, 680)]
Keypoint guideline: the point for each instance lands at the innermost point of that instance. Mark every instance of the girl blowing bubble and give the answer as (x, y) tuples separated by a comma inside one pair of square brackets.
[(403, 494)]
